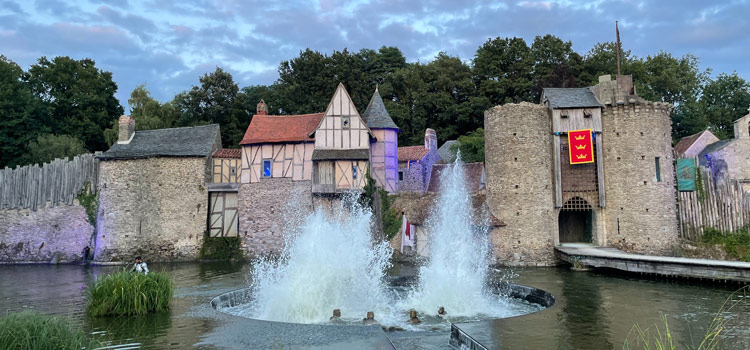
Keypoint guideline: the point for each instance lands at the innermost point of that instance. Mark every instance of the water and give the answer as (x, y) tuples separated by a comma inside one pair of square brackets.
[(456, 275), (593, 310), (329, 263)]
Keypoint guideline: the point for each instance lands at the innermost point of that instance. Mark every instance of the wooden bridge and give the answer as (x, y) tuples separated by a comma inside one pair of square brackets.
[(613, 258)]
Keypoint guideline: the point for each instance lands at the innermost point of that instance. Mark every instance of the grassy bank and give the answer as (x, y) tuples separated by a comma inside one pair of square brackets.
[(736, 244), (34, 331), (130, 293)]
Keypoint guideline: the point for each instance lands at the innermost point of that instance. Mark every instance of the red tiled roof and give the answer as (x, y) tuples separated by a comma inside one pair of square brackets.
[(686, 142), (411, 153), (281, 128), (227, 153)]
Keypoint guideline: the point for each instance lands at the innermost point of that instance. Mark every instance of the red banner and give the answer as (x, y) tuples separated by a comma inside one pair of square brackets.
[(581, 146)]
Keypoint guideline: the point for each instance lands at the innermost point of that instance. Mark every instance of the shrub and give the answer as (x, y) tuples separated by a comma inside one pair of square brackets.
[(34, 331), (736, 244), (221, 248), (130, 293)]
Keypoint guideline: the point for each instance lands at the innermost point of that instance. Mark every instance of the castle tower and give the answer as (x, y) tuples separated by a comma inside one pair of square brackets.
[(384, 151)]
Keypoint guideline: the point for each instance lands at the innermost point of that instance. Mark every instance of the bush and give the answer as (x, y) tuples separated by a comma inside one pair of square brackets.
[(130, 293), (221, 248), (30, 330), (736, 244)]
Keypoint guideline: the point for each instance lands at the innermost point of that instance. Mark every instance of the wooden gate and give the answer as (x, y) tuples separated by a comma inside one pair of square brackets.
[(222, 221)]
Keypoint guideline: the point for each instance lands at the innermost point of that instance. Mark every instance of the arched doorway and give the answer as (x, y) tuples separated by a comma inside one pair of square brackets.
[(576, 221)]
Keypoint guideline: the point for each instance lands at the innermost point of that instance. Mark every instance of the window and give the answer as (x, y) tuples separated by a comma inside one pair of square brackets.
[(345, 122), (400, 176), (564, 116), (354, 172), (658, 169), (266, 168), (586, 114)]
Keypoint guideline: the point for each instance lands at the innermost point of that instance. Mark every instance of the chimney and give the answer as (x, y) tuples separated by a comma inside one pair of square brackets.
[(430, 139), (126, 129), (261, 109)]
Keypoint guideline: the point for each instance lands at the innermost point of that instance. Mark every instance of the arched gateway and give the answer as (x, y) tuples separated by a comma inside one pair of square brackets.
[(576, 221)]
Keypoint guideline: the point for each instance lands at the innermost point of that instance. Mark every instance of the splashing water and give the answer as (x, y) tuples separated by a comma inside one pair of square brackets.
[(329, 263), (456, 275)]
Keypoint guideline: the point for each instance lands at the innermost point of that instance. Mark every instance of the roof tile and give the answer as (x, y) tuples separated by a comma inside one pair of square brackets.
[(281, 128), (411, 153)]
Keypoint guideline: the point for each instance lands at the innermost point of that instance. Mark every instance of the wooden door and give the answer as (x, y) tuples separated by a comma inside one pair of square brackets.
[(223, 220)]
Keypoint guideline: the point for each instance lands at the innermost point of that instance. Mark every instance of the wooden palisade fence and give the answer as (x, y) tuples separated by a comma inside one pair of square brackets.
[(54, 183), (721, 204)]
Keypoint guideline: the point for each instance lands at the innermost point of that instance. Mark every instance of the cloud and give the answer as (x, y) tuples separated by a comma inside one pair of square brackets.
[(169, 44)]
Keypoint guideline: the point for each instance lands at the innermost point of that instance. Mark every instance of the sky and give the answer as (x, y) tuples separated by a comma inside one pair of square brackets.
[(168, 45)]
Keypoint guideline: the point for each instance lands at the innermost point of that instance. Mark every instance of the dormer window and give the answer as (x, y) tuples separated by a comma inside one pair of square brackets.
[(345, 122), (587, 114)]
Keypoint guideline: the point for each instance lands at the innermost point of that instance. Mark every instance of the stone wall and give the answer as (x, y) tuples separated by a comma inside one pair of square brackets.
[(154, 207), (736, 156), (414, 177), (640, 211), (518, 160), (58, 233), (266, 208)]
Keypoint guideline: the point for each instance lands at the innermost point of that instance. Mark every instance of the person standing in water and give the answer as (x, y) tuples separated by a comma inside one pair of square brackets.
[(140, 266)]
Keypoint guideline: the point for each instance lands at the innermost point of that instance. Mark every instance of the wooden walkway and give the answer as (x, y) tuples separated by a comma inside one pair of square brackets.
[(603, 257)]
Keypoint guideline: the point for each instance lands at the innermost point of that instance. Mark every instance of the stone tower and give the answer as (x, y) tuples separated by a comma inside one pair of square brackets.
[(384, 151), (624, 197)]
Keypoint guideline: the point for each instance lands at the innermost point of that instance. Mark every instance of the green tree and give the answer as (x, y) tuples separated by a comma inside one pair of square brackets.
[(80, 98), (19, 112), (555, 64), (723, 101), (503, 70), (149, 114), (471, 146), (49, 147)]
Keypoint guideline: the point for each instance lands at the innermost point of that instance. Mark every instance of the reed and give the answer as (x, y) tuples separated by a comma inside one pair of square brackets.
[(33, 331), (126, 293)]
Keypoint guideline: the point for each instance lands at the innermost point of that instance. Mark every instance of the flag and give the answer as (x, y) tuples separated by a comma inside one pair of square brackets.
[(407, 231), (580, 146)]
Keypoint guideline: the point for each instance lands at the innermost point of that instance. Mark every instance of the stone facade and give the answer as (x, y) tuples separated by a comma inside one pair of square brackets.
[(49, 234), (638, 212), (266, 207), (411, 176), (641, 214), (518, 161), (153, 207)]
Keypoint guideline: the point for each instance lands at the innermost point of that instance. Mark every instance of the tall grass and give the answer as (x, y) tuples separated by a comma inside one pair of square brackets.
[(736, 244), (129, 293), (33, 331), (660, 338)]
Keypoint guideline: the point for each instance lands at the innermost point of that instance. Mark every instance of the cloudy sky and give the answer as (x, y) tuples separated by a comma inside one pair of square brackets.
[(168, 45)]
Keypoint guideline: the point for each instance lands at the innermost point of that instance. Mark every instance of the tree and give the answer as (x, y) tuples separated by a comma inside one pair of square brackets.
[(555, 64), (80, 98), (502, 70), (19, 112), (471, 146), (49, 147), (725, 100), (149, 114), (214, 101)]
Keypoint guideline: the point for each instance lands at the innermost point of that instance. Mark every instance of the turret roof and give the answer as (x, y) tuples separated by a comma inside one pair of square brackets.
[(376, 116)]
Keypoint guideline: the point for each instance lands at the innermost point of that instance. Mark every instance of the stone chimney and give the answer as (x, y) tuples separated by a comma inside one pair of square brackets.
[(126, 129), (430, 139), (261, 108)]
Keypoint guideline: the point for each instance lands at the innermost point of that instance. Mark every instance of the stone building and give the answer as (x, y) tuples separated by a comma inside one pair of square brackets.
[(415, 164), (691, 146), (730, 158), (623, 196), (153, 191)]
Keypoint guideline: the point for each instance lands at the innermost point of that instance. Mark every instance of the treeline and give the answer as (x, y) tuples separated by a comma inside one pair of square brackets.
[(73, 98)]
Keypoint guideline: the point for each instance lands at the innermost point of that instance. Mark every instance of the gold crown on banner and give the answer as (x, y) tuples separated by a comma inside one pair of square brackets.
[(582, 156), (580, 138), (580, 147)]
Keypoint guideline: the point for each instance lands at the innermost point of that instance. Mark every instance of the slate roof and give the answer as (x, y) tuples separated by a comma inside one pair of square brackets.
[(411, 153), (687, 141), (341, 154), (376, 116), (195, 141), (446, 153), (474, 176), (570, 98), (228, 153), (281, 128)]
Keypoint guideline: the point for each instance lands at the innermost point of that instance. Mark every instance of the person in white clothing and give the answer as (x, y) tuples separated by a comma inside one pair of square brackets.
[(140, 266)]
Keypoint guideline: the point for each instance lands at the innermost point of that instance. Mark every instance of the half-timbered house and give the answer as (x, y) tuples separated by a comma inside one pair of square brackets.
[(222, 193)]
